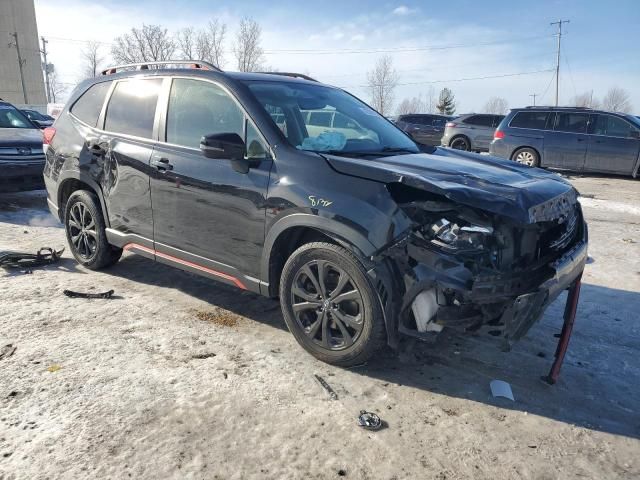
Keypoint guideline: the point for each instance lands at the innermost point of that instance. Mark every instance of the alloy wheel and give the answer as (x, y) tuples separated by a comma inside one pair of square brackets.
[(459, 144), (327, 305), (82, 230)]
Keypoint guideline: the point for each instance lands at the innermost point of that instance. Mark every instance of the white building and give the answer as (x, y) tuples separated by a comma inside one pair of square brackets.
[(19, 17)]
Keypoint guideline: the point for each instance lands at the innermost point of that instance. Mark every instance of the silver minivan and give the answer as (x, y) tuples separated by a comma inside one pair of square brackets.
[(471, 132)]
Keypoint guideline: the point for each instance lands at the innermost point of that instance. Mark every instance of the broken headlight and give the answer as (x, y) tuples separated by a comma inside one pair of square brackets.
[(460, 238)]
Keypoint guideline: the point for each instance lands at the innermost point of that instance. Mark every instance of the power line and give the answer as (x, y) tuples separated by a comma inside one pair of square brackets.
[(461, 79)]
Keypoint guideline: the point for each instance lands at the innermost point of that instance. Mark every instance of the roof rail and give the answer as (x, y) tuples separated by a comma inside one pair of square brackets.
[(559, 108), (198, 64), (291, 74)]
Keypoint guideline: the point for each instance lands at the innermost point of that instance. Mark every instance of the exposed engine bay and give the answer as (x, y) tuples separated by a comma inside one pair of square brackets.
[(477, 271)]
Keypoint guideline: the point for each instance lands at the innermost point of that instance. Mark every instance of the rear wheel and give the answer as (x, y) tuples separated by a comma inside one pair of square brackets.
[(330, 306), (460, 143), (85, 228), (527, 156)]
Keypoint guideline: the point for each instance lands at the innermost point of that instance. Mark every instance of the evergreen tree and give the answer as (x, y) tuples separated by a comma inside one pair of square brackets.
[(446, 102)]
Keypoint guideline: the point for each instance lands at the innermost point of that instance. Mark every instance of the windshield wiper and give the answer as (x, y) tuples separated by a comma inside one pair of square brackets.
[(399, 150), (367, 153)]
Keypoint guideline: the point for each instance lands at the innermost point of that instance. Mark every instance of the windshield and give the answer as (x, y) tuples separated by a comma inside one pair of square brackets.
[(324, 119), (11, 117)]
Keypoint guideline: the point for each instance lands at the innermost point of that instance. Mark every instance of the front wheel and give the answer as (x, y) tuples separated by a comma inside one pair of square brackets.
[(330, 306), (85, 228)]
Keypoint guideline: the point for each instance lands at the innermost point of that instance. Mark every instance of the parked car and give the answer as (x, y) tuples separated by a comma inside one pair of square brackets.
[(577, 139), (21, 154), (39, 119), (424, 128), (363, 238), (471, 132)]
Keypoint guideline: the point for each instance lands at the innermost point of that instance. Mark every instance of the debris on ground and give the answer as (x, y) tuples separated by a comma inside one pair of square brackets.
[(202, 356), (323, 383), (27, 261), (72, 294), (7, 351), (500, 388), (369, 421), (54, 368), (226, 319)]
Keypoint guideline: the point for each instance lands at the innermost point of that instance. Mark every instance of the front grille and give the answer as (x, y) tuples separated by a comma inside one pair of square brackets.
[(562, 234), (21, 155)]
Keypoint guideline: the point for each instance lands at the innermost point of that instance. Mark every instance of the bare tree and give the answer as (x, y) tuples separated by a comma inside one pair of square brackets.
[(216, 31), (186, 43), (430, 101), (58, 89), (146, 44), (585, 99), (617, 100), (382, 81), (410, 105), (496, 105), (247, 49), (92, 59)]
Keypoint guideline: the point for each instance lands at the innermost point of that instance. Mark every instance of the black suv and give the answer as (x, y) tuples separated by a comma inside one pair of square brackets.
[(569, 138), (360, 234), (424, 128)]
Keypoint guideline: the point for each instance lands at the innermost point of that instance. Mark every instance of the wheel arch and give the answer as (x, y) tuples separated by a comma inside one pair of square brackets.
[(292, 231), (73, 181)]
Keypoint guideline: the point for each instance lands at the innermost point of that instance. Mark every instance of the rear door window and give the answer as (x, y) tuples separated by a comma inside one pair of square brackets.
[(572, 122), (88, 107), (535, 120), (132, 107), (497, 119), (480, 120)]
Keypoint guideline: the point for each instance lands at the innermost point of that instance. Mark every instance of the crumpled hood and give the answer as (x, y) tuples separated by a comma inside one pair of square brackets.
[(524, 194), (21, 137)]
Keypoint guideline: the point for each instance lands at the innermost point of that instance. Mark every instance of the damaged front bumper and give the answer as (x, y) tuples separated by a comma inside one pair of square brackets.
[(504, 304)]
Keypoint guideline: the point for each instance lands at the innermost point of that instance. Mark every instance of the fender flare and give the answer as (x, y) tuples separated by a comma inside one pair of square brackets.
[(84, 178)]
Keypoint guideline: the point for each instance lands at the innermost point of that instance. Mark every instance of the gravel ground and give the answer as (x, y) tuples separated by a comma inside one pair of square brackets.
[(181, 377)]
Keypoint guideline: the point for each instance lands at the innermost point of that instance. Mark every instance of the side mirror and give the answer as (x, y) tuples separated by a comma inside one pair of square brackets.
[(228, 146)]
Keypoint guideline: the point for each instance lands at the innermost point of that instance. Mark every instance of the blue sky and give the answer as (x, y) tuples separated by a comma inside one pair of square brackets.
[(600, 48)]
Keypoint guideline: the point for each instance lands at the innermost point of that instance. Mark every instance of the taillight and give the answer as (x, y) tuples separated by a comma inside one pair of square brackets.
[(47, 135), (451, 124), (498, 135)]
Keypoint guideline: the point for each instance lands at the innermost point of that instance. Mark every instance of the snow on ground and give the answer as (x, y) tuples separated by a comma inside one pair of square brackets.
[(181, 377)]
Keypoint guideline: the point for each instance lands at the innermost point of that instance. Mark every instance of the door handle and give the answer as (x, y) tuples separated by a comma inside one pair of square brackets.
[(161, 164), (580, 139)]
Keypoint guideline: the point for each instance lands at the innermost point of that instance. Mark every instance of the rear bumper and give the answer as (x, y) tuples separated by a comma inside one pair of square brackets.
[(19, 177), (497, 148)]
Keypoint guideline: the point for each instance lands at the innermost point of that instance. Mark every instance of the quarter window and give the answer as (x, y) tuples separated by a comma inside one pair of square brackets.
[(132, 107), (536, 120), (198, 108), (88, 107), (572, 122)]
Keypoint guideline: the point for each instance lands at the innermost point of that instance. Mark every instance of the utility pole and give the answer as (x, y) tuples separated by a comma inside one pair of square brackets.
[(46, 68), (20, 64), (559, 23), (534, 95)]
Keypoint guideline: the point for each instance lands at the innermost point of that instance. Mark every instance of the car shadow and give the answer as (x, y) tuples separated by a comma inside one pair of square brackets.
[(599, 383)]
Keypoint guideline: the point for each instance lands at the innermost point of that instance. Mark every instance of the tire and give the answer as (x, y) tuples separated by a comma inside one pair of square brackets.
[(342, 327), (527, 156), (85, 229), (460, 143)]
